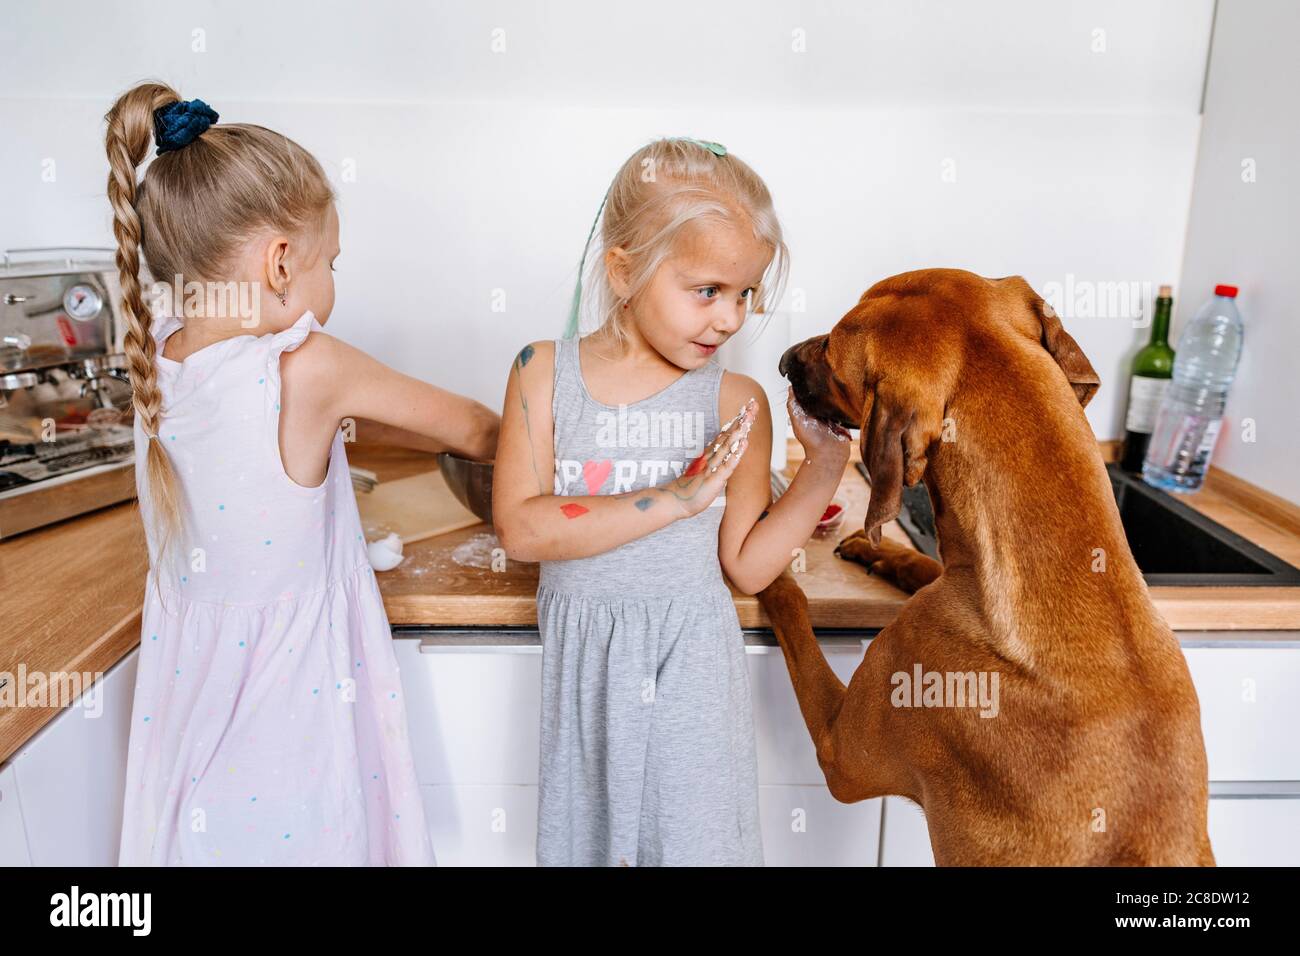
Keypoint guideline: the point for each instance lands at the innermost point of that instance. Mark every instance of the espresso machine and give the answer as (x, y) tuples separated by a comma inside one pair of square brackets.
[(66, 444)]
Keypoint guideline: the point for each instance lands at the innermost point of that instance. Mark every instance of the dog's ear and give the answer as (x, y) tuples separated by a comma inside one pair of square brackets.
[(896, 432), (1061, 346)]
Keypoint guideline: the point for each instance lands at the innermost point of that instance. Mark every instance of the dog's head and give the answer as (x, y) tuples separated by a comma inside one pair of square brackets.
[(892, 364)]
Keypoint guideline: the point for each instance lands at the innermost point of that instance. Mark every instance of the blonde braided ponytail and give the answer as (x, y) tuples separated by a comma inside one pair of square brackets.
[(130, 131)]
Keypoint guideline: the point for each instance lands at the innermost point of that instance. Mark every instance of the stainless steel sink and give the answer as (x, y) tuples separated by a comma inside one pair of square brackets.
[(1172, 542)]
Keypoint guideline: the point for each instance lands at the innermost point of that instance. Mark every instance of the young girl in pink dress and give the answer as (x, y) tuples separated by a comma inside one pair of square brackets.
[(268, 725)]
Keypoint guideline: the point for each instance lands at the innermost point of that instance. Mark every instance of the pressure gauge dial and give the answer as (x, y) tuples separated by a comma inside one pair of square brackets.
[(82, 302)]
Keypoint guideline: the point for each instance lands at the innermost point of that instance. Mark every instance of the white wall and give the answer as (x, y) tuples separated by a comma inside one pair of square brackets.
[(478, 171), (1248, 233)]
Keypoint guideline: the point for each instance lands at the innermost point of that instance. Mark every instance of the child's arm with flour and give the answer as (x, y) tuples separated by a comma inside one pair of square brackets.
[(757, 536), (535, 524)]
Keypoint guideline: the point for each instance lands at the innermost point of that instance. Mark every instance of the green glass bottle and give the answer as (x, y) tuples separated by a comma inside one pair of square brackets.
[(1152, 369)]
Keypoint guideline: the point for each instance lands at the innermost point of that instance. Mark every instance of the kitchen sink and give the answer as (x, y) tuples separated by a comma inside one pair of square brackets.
[(1172, 542)]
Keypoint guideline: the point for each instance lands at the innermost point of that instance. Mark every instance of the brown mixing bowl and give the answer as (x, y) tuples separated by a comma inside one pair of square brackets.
[(470, 481)]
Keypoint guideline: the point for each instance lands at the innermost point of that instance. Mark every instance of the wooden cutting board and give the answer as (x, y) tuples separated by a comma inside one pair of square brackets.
[(413, 508)]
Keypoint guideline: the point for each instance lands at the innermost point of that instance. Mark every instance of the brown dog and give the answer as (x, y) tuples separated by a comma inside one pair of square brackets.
[(1028, 697)]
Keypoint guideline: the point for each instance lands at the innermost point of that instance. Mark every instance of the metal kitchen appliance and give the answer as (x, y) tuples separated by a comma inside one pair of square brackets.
[(66, 444)]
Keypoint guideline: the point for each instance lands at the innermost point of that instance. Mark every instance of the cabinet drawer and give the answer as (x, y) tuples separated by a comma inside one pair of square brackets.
[(1253, 831), (806, 826), (473, 712), (1249, 710)]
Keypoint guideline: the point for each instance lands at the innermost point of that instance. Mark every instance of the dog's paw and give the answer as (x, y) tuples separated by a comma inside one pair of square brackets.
[(877, 559), (896, 563)]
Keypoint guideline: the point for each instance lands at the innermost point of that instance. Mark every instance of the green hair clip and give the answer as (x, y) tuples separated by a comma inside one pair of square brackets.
[(717, 149), (571, 327)]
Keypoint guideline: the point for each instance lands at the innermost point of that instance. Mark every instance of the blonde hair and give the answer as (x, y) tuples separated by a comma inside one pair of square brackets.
[(193, 210), (660, 190)]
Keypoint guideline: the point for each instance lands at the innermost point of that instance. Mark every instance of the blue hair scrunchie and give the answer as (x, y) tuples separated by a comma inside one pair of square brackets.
[(178, 124)]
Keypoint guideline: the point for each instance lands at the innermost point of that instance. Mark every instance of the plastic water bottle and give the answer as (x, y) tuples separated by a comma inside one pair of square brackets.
[(1191, 412)]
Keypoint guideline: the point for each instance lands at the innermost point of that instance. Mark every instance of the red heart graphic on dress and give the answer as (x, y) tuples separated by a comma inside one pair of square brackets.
[(594, 474)]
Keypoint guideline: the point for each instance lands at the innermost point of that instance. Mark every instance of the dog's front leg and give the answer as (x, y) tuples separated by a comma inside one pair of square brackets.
[(847, 725), (819, 691)]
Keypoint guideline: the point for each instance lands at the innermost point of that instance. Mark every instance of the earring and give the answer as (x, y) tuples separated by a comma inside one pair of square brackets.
[(281, 294)]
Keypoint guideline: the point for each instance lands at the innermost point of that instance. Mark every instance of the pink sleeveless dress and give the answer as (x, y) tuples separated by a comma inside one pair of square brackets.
[(268, 726)]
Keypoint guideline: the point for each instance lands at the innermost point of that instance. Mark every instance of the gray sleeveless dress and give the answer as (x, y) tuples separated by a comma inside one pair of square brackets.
[(647, 738)]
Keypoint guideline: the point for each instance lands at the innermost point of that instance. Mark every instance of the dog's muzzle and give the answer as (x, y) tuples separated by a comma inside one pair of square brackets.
[(810, 381)]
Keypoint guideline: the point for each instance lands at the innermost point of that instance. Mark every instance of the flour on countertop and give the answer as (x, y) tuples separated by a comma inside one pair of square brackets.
[(476, 552)]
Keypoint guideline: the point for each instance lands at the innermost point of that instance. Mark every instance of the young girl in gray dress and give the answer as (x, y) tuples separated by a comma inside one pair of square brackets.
[(616, 449)]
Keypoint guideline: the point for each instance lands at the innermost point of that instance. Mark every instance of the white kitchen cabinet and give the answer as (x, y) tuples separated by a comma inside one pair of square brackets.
[(70, 776), (904, 834), (478, 825), (806, 826), (13, 838), (1244, 831), (473, 708), (803, 825), (474, 705), (1253, 831), (1249, 710), (482, 825), (785, 750)]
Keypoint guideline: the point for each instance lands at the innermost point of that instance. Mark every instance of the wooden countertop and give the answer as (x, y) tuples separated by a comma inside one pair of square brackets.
[(431, 588), (70, 594), (70, 597)]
